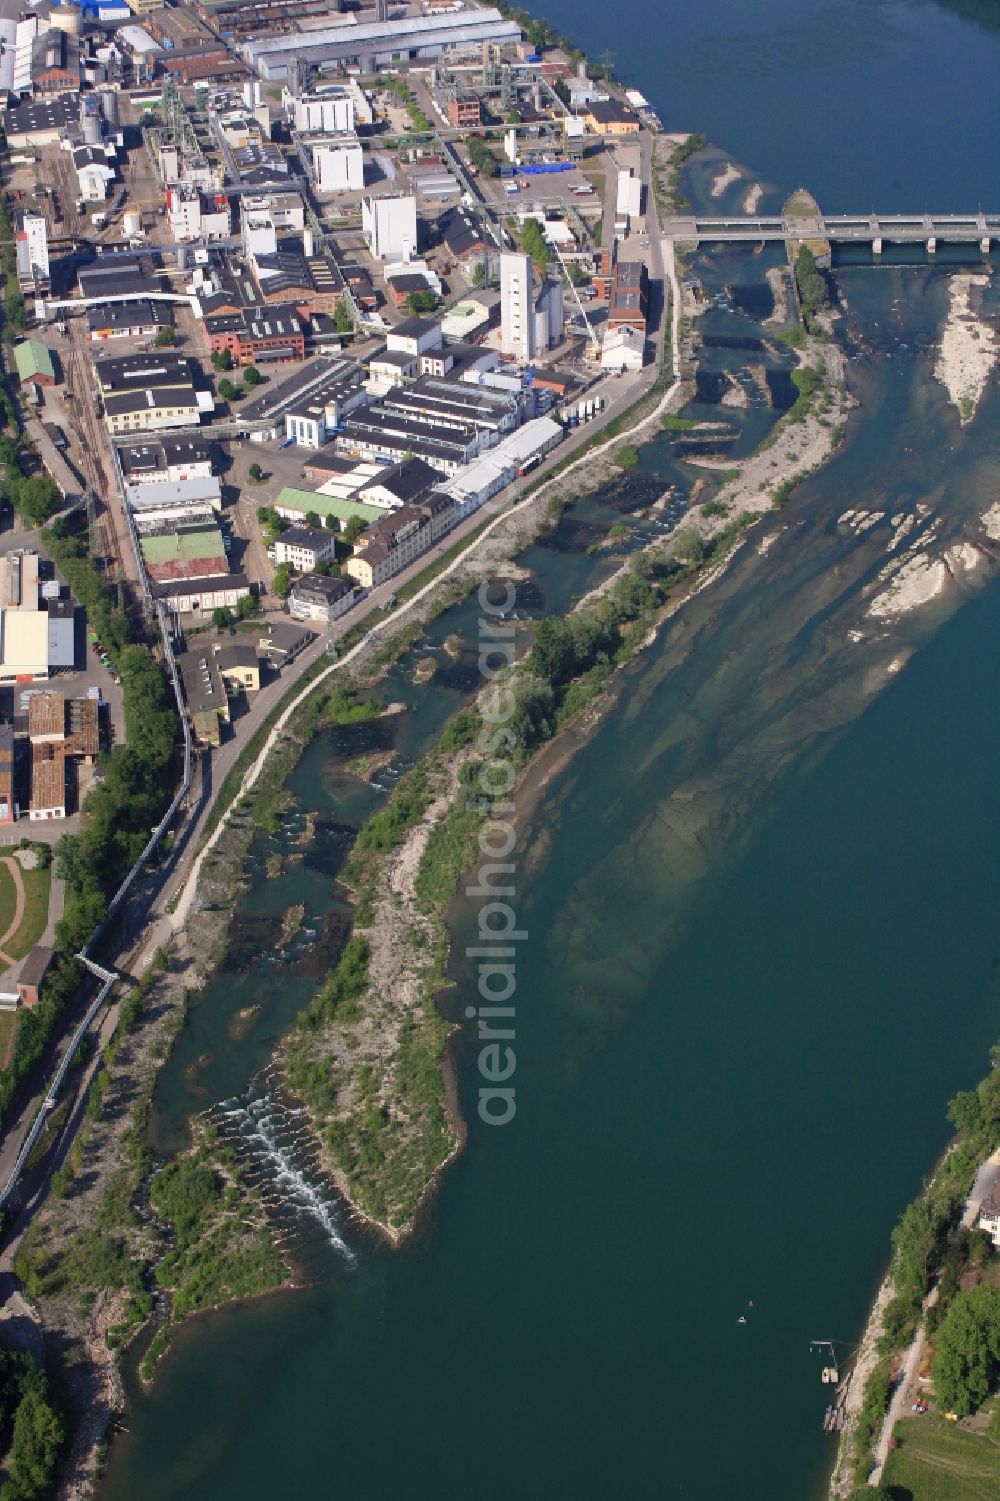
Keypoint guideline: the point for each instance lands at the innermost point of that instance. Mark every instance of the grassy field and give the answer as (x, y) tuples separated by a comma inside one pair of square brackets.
[(8, 1031), (938, 1461), (37, 884), (7, 898)]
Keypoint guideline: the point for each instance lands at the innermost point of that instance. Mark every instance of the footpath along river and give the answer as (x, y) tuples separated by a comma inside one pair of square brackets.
[(763, 954)]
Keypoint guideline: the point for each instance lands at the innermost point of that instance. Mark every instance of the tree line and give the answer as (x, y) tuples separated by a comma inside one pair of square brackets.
[(32, 1432)]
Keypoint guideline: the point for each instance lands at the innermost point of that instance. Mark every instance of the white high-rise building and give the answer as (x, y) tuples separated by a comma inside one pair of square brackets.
[(390, 227), (339, 165), (517, 307), (31, 238), (323, 114)]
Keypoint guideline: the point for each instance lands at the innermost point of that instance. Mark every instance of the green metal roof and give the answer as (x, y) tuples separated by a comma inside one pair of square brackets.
[(291, 499), (197, 542), (31, 357)]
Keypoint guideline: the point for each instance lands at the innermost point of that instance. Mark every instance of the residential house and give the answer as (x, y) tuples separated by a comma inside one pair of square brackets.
[(239, 665), (282, 642), (32, 974), (391, 544), (204, 694), (305, 547), (989, 1217), (315, 597)]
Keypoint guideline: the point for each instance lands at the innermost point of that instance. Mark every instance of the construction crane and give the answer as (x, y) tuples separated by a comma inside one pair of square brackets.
[(594, 343)]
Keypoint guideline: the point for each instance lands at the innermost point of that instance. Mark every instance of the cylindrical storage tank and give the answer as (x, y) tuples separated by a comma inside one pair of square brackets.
[(108, 100), (68, 18), (132, 222), (308, 241)]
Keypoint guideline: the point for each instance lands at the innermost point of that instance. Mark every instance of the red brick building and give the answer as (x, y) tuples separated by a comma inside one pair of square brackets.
[(629, 303), (258, 336)]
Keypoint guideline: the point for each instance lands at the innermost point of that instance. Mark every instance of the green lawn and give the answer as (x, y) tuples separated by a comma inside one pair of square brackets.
[(938, 1461), (8, 1030), (7, 899), (36, 911)]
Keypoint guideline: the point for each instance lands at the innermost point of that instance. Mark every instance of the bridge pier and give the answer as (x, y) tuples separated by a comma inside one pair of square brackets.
[(984, 245), (877, 245), (932, 245)]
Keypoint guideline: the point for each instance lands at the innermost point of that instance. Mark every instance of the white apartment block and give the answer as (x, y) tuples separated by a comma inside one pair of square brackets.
[(305, 547)]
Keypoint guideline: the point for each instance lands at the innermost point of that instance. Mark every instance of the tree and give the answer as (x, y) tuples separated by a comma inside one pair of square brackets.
[(228, 391), (246, 606), (533, 243), (966, 1112), (312, 518), (251, 375), (576, 273), (353, 529), (478, 274), (422, 302), (482, 158), (342, 320), (221, 359), (282, 581), (627, 457), (813, 293), (256, 473), (37, 1439), (222, 617), (552, 655), (331, 522), (165, 336), (967, 1356), (689, 546), (35, 499)]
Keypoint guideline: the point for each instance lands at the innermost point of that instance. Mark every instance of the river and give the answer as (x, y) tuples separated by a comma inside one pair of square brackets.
[(761, 908)]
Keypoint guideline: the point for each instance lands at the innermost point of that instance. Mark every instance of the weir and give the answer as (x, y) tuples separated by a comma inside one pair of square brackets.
[(844, 229), (269, 1133)]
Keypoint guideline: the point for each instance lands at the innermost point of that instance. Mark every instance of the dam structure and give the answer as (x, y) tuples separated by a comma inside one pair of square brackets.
[(877, 230)]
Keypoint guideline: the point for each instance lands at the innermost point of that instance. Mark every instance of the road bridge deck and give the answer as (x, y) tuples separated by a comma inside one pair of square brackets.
[(838, 228)]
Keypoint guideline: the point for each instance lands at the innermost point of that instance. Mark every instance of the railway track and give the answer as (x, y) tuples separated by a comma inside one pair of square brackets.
[(93, 444)]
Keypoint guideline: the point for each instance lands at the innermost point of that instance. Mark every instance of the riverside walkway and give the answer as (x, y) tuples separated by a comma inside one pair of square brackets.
[(929, 230)]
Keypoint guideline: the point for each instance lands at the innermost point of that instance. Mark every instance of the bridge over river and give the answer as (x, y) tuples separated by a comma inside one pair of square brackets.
[(876, 230)]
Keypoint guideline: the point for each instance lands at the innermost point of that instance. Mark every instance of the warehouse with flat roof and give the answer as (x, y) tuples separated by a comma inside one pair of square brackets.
[(374, 42)]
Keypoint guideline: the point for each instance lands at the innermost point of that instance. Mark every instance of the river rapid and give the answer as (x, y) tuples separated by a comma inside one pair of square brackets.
[(760, 903)]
